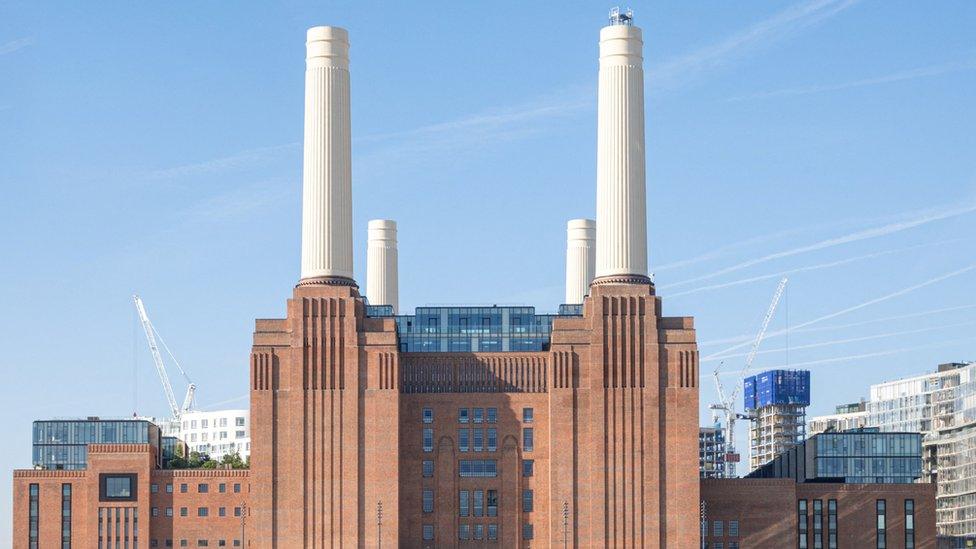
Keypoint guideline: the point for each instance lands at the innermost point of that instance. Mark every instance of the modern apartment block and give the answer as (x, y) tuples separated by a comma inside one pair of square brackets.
[(449, 427), (777, 401), (711, 452), (215, 433), (941, 406), (835, 490), (846, 417)]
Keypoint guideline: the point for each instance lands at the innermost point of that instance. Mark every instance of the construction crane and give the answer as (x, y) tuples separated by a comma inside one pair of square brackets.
[(151, 336), (726, 403)]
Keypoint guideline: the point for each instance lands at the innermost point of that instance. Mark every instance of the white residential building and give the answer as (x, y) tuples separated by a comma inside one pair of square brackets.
[(215, 433), (845, 418)]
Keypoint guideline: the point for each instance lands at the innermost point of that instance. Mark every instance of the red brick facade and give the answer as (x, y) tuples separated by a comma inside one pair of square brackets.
[(767, 513)]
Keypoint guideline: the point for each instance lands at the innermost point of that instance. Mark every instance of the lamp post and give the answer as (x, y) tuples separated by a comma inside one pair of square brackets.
[(379, 525)]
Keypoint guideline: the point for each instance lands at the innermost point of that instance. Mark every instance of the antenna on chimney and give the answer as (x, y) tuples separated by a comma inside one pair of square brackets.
[(618, 18)]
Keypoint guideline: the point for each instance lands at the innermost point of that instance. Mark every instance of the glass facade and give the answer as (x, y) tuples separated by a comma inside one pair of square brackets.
[(63, 444), (472, 329)]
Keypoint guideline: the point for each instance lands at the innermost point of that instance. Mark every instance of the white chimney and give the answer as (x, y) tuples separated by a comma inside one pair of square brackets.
[(621, 214), (381, 264), (326, 175), (580, 258)]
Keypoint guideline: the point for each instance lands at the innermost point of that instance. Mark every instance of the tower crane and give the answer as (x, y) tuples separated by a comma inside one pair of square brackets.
[(151, 336), (726, 403)]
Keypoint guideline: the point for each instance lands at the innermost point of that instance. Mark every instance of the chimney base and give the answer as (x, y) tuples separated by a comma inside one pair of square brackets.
[(327, 281), (623, 279)]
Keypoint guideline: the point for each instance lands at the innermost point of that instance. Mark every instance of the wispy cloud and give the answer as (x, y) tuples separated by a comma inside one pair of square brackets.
[(919, 219), (15, 45), (245, 159), (807, 268), (781, 25), (912, 74), (901, 292), (235, 203)]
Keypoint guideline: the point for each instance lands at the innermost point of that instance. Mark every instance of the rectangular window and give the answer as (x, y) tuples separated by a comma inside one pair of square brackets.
[(832, 524), (801, 521), (153, 488), (237, 511), (463, 439), (237, 488), (527, 439), (222, 488), (222, 512), (203, 512), (733, 528), (717, 528), (492, 435), (169, 488), (464, 532), (117, 487), (909, 524), (882, 536), (493, 532), (818, 524), (428, 532), (463, 415), (474, 468), (428, 439), (528, 415), (203, 488), (428, 415), (428, 468), (527, 531), (478, 503), (169, 511), (527, 501), (479, 415), (492, 503), (183, 488), (479, 531), (478, 440), (428, 501), (65, 516), (184, 512), (463, 503), (239, 421), (155, 511), (492, 414), (528, 467)]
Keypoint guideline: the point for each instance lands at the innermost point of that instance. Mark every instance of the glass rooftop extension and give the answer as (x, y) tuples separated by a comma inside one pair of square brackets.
[(473, 329)]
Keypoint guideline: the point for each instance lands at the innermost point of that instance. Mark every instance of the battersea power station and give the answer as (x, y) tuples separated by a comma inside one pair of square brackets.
[(450, 426)]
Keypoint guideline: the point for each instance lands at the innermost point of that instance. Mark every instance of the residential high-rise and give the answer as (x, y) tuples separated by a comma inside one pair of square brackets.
[(845, 417), (777, 401), (711, 452)]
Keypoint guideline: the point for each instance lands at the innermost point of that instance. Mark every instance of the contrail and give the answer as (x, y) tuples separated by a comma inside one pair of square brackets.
[(864, 355), (865, 234), (807, 268), (846, 340), (745, 337), (874, 301)]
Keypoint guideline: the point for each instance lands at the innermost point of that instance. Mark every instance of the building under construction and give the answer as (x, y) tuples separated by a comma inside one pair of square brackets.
[(777, 401)]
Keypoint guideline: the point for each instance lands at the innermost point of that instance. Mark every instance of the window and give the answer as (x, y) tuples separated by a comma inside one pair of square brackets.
[(238, 422), (479, 440), (66, 516), (221, 487), (202, 543), (463, 415), (169, 511), (464, 532), (909, 524), (154, 511), (464, 503), (527, 439), (717, 527), (832, 524), (203, 488), (718, 545), (428, 501), (153, 488), (527, 501), (117, 487), (184, 543), (193, 424), (428, 439), (428, 468), (882, 538), (239, 434), (801, 521), (479, 415), (479, 531), (184, 512), (492, 531), (527, 532), (492, 503), (204, 423), (237, 511), (733, 545), (463, 442), (203, 512), (428, 532), (733, 528), (183, 488), (528, 414), (428, 415), (478, 503), (492, 439), (478, 468), (169, 488), (222, 512), (492, 415), (528, 466), (237, 488)]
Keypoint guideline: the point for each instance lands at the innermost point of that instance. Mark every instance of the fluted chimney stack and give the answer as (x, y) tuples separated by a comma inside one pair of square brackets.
[(381, 264), (326, 175), (580, 258), (621, 210)]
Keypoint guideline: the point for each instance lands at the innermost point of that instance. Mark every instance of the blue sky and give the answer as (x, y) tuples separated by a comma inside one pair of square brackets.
[(155, 149)]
